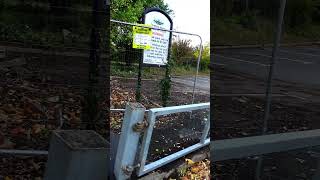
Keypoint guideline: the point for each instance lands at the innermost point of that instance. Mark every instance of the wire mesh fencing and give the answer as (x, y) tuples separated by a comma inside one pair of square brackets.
[(242, 76), (53, 74), (125, 60), (175, 132)]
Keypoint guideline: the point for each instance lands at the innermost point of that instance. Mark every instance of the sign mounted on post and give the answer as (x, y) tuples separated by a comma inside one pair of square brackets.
[(141, 38), (160, 40)]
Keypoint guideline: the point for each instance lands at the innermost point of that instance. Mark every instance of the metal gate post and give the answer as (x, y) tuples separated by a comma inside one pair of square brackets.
[(270, 78), (129, 140), (316, 175), (205, 131)]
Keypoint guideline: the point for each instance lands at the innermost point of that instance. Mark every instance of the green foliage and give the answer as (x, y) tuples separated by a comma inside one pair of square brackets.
[(256, 26), (129, 11), (299, 12), (249, 20), (223, 7), (181, 52), (165, 85), (205, 57), (32, 22)]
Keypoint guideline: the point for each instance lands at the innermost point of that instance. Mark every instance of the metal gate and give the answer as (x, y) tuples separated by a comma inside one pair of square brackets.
[(132, 153)]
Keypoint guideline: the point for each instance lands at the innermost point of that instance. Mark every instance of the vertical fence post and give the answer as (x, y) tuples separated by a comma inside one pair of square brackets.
[(205, 130), (270, 77), (138, 88), (92, 109), (129, 140), (197, 71), (316, 175)]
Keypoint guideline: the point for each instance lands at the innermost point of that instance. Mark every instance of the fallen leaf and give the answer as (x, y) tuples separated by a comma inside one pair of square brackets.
[(8, 178), (54, 99), (18, 130), (195, 169), (189, 161), (37, 128)]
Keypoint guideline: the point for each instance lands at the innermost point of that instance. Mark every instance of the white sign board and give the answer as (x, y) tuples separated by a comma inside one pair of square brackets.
[(158, 53)]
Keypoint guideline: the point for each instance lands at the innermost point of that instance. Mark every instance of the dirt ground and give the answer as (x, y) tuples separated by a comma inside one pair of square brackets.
[(238, 111), (39, 93)]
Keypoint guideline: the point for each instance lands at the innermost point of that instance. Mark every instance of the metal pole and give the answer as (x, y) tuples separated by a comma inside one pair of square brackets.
[(247, 6), (138, 89), (155, 28), (197, 71), (91, 109), (270, 77)]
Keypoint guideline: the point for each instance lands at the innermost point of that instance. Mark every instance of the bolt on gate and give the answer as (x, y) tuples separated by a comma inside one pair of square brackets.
[(132, 153)]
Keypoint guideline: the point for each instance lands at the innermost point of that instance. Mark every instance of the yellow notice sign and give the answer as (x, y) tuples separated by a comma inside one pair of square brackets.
[(142, 37)]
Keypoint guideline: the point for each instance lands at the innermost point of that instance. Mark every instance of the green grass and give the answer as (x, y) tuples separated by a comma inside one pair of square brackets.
[(230, 31), (153, 72)]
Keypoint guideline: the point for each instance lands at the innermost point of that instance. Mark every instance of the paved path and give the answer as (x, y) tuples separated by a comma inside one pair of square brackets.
[(203, 83), (294, 64)]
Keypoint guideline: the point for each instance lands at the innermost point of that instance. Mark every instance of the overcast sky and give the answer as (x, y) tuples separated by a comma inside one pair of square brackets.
[(191, 16)]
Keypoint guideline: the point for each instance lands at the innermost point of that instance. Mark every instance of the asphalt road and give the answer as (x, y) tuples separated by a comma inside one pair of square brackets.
[(299, 65), (202, 85)]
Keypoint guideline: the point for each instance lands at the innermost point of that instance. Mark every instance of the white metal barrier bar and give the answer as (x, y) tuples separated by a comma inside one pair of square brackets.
[(153, 113), (265, 144), (23, 152), (177, 109), (154, 165), (121, 110)]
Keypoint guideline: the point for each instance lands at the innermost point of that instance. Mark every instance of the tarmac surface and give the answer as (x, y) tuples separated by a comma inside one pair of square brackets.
[(293, 64), (202, 85)]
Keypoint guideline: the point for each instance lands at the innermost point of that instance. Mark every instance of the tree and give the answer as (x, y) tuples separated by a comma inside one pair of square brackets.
[(182, 51), (223, 7), (205, 56), (130, 11), (299, 12)]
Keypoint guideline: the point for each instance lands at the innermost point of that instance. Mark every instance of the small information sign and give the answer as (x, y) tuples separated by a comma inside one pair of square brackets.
[(141, 37)]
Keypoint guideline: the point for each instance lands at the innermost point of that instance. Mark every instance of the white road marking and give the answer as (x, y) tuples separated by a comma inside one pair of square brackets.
[(219, 64), (295, 96), (291, 52), (247, 94), (241, 60), (294, 60)]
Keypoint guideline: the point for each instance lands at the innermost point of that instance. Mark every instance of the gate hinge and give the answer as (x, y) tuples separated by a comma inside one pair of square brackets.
[(127, 170), (140, 126)]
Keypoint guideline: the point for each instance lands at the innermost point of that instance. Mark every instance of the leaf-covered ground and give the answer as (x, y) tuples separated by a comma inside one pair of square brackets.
[(196, 170), (30, 110)]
